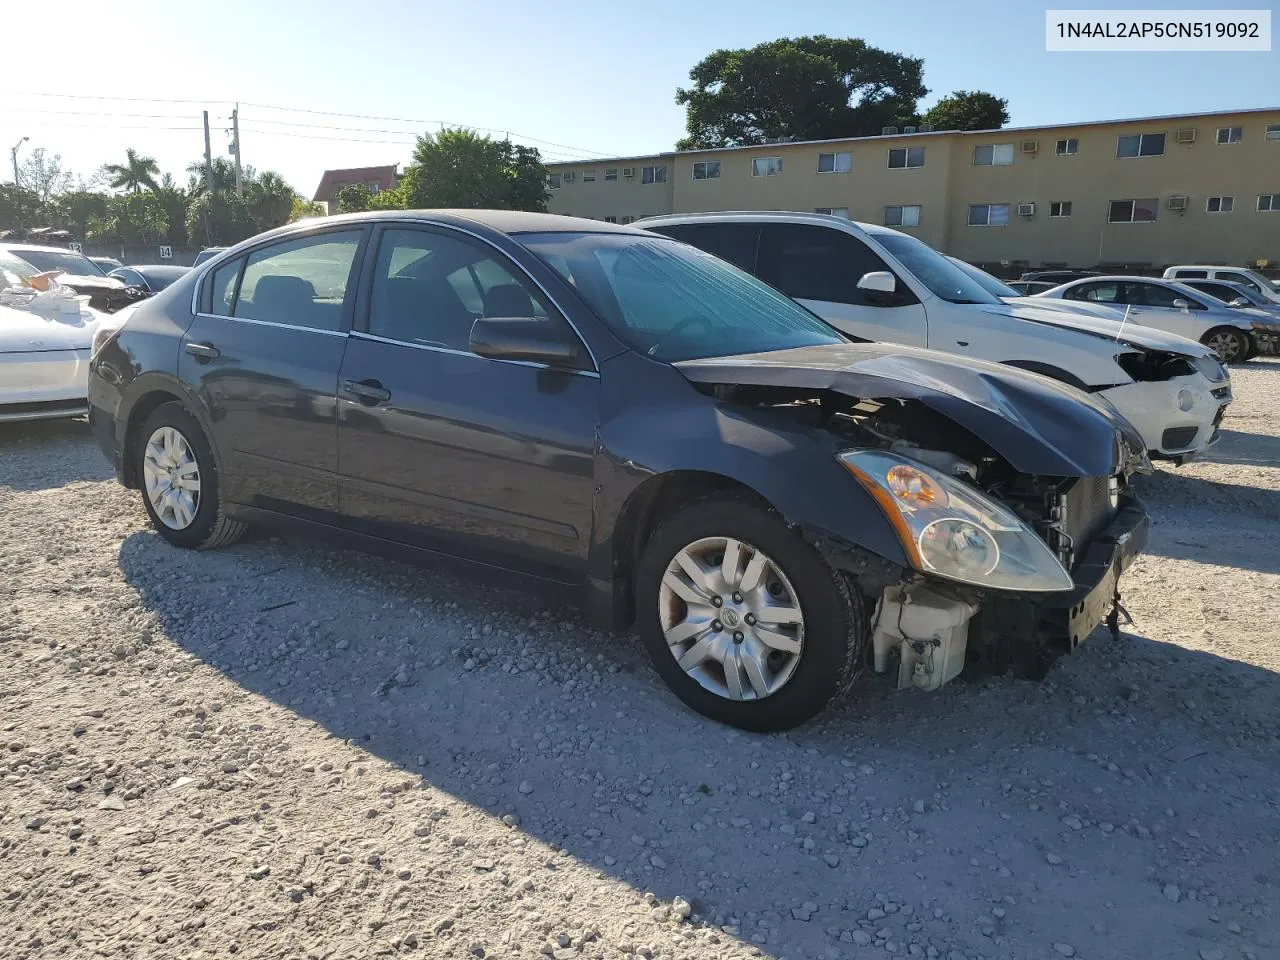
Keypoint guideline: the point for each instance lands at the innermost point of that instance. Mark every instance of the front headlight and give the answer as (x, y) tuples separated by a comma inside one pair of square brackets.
[(1213, 368), (950, 530)]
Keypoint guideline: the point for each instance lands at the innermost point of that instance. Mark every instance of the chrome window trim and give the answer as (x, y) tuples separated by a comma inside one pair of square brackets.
[(273, 323), (239, 249), (361, 335)]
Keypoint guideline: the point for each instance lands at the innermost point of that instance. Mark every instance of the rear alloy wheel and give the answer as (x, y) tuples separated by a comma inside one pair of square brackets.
[(180, 481), (1231, 346), (743, 619)]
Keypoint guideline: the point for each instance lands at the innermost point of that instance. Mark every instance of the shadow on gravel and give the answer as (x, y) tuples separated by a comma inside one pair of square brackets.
[(22, 444), (1165, 489), (516, 710), (1238, 447)]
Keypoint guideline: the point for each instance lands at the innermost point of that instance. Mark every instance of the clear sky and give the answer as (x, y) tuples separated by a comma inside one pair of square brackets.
[(594, 78)]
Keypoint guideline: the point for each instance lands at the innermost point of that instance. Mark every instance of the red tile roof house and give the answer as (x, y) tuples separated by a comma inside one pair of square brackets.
[(376, 179)]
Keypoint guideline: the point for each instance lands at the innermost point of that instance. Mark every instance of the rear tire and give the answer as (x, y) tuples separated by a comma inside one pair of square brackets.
[(1231, 346), (805, 665), (180, 482)]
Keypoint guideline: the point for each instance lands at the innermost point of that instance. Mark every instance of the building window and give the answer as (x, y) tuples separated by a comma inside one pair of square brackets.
[(553, 181), (993, 155), (1269, 203), (835, 162), (1133, 211), (1060, 208), (988, 214), (1219, 204), (766, 166), (1273, 132), (588, 176), (1068, 147), (706, 170), (833, 211), (1141, 145), (656, 174), (902, 216), (611, 173), (610, 219), (903, 157), (627, 220), (1230, 134)]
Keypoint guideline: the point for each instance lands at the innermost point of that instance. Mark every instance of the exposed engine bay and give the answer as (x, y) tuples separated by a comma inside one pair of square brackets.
[(933, 628)]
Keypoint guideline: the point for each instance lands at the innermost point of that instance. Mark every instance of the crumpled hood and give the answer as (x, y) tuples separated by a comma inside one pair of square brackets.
[(83, 281), (1038, 425), (1064, 314), (25, 331)]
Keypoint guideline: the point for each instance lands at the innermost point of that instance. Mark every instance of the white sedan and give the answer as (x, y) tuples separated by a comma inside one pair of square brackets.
[(44, 363)]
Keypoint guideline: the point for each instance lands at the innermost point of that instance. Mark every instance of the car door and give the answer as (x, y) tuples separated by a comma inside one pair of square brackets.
[(821, 267), (491, 460), (1159, 306), (263, 355)]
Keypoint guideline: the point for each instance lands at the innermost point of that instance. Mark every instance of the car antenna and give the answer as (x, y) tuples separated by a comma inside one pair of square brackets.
[(1123, 320)]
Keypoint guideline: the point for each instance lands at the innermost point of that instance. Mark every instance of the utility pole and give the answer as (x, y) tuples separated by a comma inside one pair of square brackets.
[(13, 152), (235, 145), (208, 156)]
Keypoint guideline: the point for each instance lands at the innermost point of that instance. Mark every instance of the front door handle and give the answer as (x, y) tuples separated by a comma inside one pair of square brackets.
[(203, 351), (369, 392)]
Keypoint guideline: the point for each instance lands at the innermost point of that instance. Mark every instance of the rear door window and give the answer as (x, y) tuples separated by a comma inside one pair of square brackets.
[(221, 297), (301, 283), (735, 242), (1239, 278), (1151, 295), (816, 263), (1102, 292)]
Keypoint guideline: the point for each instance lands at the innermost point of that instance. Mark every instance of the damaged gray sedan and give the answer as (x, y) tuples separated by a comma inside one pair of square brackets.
[(774, 506)]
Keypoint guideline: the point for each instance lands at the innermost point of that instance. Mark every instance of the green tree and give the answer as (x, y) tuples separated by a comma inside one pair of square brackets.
[(219, 218), (134, 174), (20, 208), (130, 218), (354, 198), (460, 168), (43, 174), (74, 211), (805, 88), (269, 199), (303, 208), (968, 110), (224, 175)]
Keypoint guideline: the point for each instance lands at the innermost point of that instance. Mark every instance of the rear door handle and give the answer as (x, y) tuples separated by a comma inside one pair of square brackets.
[(370, 392), (203, 351)]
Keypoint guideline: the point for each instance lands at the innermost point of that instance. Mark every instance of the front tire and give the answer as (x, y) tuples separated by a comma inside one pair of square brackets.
[(743, 619), (180, 481), (1231, 346)]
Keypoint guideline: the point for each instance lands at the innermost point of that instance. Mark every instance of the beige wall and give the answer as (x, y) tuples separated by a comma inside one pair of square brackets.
[(949, 182)]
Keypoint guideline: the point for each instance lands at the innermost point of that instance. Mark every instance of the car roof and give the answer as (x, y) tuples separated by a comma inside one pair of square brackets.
[(160, 268), (503, 221), (1208, 266), (774, 216), (37, 248)]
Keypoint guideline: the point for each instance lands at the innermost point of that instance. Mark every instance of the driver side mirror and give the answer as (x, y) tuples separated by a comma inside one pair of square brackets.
[(1238, 302), (528, 339), (1182, 304), (878, 281)]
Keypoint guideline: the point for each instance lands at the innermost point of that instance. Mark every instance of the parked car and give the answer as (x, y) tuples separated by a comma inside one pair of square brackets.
[(1027, 287), (150, 277), (1242, 275), (77, 272), (1266, 335), (879, 284), (1055, 277), (1175, 307), (207, 254), (106, 264), (618, 413)]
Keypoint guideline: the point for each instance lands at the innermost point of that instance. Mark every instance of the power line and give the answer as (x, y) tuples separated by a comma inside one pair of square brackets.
[(87, 96)]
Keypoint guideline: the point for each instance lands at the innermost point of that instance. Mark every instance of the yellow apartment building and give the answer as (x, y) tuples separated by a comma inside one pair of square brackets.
[(1139, 194)]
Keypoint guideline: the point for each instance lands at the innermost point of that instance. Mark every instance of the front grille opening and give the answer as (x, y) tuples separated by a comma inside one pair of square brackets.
[(1175, 438)]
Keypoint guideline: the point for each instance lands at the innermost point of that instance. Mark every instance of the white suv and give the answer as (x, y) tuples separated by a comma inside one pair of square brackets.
[(1241, 275), (879, 284)]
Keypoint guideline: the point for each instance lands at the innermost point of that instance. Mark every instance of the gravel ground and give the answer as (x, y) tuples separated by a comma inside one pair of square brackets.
[(282, 750)]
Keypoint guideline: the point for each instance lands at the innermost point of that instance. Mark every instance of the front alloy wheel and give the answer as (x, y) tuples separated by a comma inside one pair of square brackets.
[(743, 619), (731, 619), (1231, 346)]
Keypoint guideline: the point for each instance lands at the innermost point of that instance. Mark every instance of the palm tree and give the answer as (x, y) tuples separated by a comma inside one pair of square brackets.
[(135, 173), (224, 176)]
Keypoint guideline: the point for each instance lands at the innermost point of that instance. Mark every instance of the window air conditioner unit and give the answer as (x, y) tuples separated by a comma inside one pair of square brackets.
[(1177, 203), (925, 128), (908, 129), (1030, 146), (888, 131), (568, 177), (1185, 135), (628, 171), (1262, 264), (1026, 209)]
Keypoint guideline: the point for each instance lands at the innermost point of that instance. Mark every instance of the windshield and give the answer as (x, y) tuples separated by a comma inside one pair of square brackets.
[(65, 260), (674, 302), (943, 278), (993, 285), (14, 272)]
